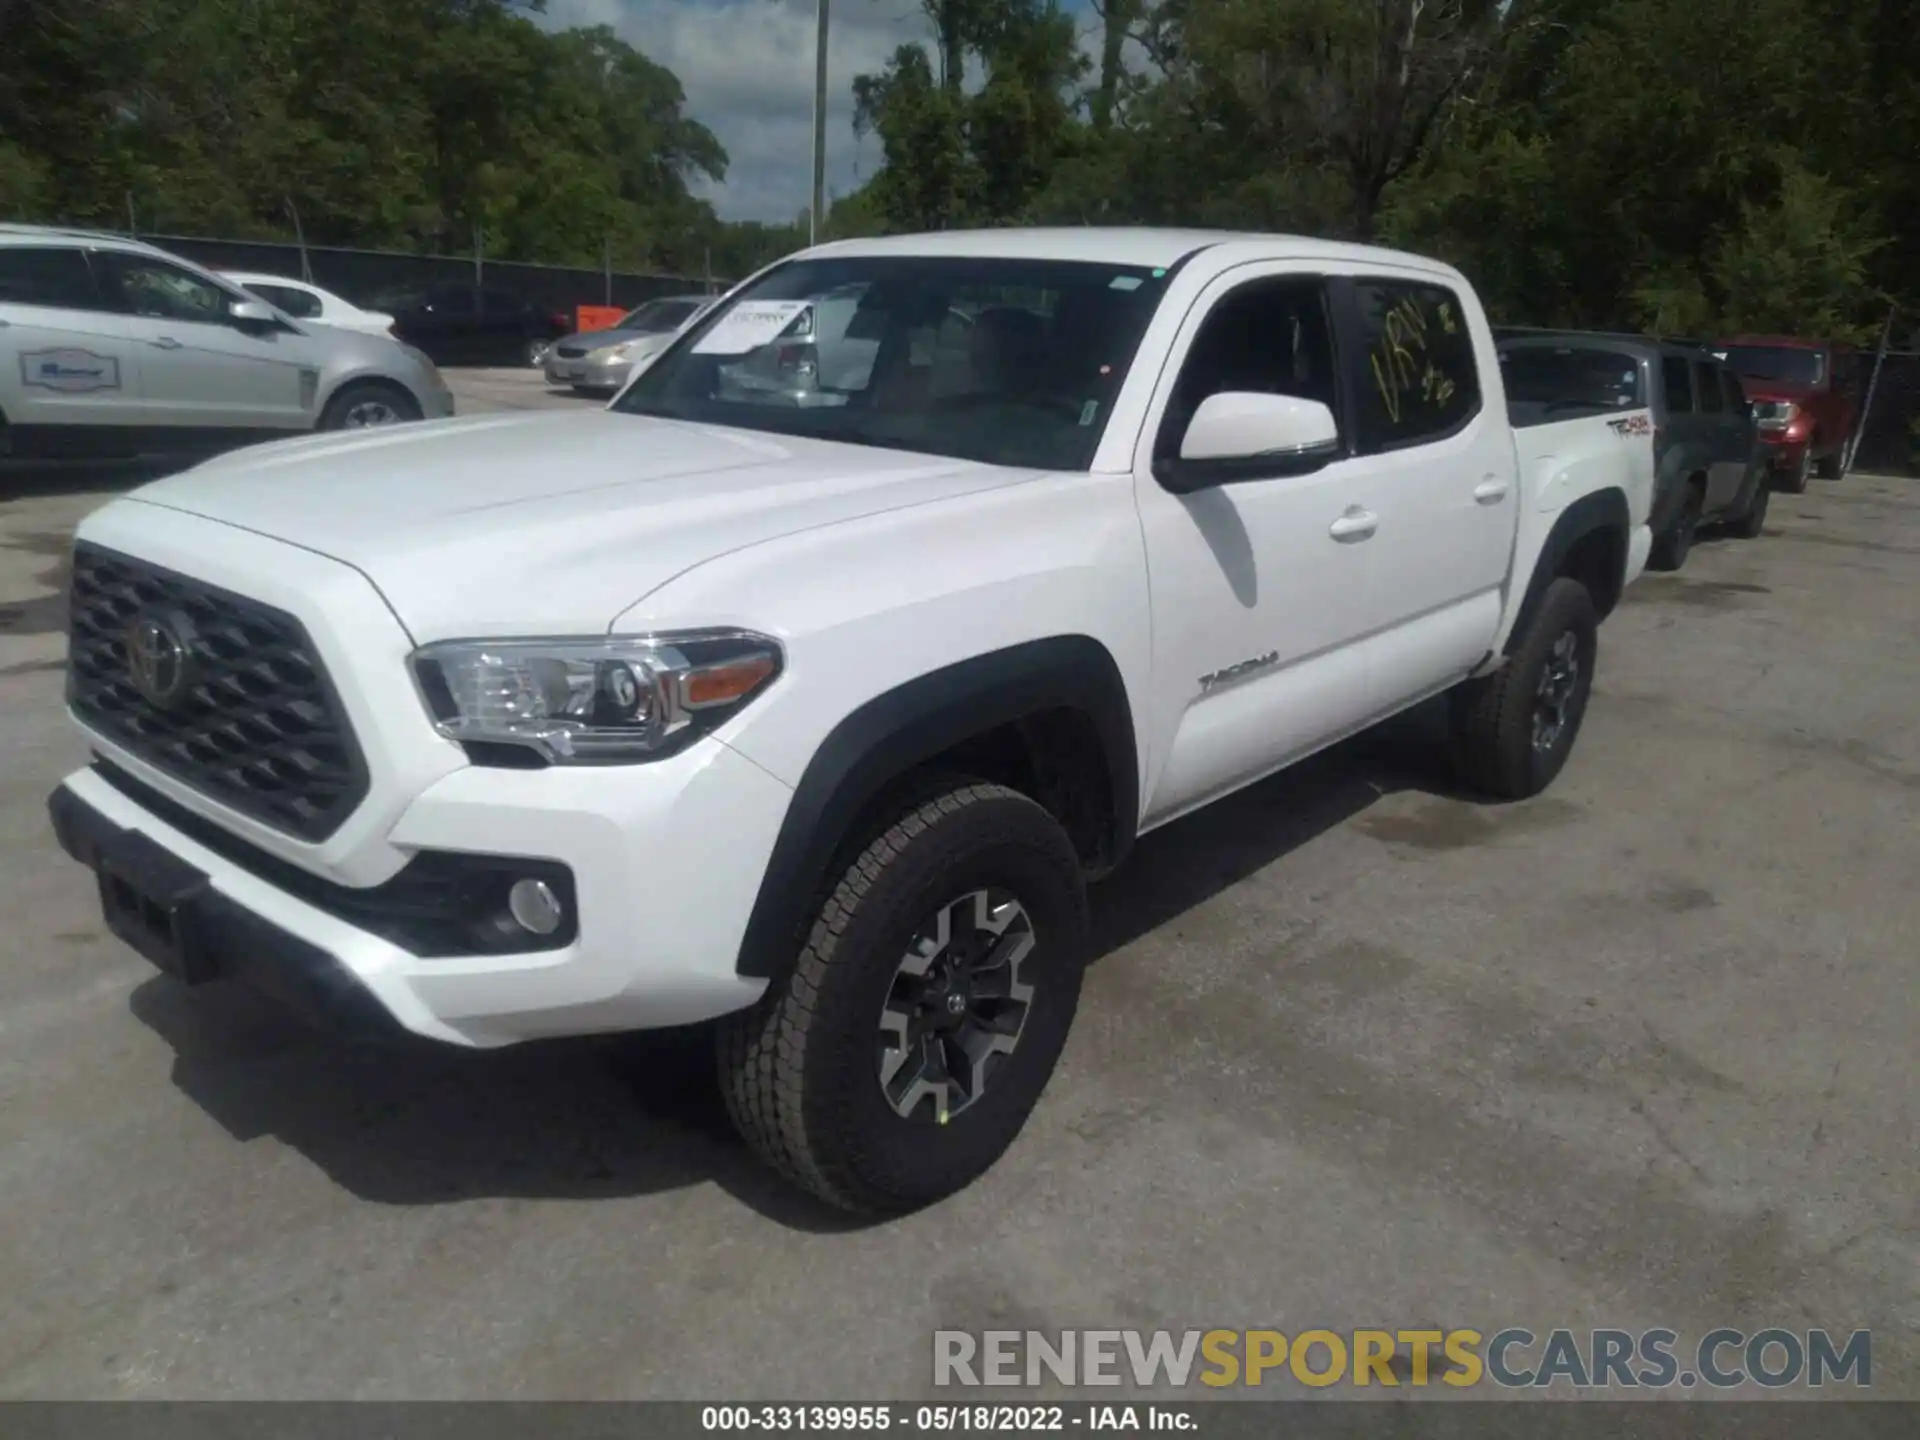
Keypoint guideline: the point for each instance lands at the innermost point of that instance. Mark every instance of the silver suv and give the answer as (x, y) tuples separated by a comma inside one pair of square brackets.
[(113, 348)]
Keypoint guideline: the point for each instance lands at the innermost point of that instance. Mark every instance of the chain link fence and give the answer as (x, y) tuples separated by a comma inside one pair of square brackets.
[(361, 275), (1889, 443), (1890, 440)]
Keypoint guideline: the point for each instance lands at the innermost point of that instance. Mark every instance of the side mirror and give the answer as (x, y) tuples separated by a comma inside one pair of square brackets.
[(1248, 435), (252, 313)]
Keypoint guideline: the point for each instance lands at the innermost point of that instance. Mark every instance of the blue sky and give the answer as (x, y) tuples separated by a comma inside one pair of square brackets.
[(747, 66)]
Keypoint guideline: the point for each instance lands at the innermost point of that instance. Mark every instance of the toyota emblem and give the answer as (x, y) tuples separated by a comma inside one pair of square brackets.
[(157, 655)]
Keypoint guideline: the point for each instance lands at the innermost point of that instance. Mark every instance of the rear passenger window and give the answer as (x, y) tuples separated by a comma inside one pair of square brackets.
[(1420, 381), (1678, 376), (1707, 385), (44, 275)]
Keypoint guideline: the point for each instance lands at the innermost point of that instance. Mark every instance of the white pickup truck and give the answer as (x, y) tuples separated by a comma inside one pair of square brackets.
[(814, 709)]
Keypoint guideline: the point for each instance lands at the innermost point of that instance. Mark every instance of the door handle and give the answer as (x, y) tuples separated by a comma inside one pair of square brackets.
[(165, 342), (1356, 524), (1490, 491)]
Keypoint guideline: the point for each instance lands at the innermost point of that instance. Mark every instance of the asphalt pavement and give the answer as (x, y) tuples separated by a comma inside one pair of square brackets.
[(1358, 1052)]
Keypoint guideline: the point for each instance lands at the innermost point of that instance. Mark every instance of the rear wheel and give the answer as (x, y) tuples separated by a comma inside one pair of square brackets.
[(1513, 729), (535, 354), (902, 1054), (368, 404)]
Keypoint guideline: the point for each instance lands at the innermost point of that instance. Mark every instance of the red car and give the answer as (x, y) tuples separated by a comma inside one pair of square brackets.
[(1805, 397)]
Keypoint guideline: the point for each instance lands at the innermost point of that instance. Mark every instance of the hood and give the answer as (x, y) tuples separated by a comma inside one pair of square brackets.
[(597, 339), (353, 344), (550, 523), (1760, 389)]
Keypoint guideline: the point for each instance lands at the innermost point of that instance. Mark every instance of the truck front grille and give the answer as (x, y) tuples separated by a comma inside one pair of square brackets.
[(223, 693)]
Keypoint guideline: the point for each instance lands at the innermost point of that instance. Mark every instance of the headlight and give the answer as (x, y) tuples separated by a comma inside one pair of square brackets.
[(1775, 414), (605, 354), (600, 700)]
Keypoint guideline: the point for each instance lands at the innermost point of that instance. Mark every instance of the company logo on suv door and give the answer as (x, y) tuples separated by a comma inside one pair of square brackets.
[(71, 372), (1631, 425)]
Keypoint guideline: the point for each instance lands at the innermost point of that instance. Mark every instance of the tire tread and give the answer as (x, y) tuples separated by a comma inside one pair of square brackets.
[(763, 1051), (1492, 716)]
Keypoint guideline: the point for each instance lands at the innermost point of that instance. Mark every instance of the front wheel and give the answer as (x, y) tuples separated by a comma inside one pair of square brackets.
[(1513, 729), (367, 405), (903, 1052)]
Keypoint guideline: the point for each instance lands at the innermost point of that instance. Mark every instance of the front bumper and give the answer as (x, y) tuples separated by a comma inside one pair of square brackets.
[(588, 374), (665, 860), (1785, 451), (185, 926)]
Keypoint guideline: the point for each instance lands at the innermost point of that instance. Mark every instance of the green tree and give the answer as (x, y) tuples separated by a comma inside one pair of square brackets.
[(956, 157)]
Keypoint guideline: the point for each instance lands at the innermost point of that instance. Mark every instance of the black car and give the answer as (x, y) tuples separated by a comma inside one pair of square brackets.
[(1710, 466), (475, 324)]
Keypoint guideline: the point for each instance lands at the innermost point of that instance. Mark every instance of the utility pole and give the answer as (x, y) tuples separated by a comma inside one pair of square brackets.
[(300, 239), (1866, 404), (819, 125)]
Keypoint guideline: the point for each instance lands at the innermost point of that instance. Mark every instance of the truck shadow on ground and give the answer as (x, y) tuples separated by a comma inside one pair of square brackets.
[(624, 1116)]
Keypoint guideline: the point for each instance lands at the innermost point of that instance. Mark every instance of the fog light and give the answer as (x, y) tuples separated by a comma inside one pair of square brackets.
[(534, 906)]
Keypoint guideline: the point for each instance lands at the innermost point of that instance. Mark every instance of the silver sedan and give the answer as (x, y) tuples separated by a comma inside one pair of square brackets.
[(109, 346), (601, 361)]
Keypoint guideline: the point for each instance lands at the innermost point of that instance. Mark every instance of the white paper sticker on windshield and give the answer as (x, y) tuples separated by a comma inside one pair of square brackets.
[(748, 327)]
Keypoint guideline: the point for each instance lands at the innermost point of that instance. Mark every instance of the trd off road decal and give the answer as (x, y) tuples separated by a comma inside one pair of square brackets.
[(71, 372), (1631, 425)]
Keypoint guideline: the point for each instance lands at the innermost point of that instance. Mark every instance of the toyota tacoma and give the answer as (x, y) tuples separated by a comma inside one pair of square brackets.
[(813, 708)]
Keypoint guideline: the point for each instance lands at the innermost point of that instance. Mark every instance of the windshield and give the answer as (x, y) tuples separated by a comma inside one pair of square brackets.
[(1010, 362), (1570, 378), (1776, 362), (657, 317)]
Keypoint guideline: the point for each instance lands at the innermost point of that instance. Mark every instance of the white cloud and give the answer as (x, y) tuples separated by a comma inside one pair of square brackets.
[(747, 67)]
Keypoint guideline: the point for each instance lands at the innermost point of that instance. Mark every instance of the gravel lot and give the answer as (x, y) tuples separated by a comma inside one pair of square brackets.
[(1359, 1052)]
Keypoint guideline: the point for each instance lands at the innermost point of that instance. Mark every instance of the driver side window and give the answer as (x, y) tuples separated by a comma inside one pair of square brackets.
[(1273, 337), (142, 285)]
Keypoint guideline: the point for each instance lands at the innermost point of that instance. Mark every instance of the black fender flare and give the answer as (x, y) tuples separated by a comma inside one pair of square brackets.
[(1600, 510), (1678, 467), (889, 735)]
